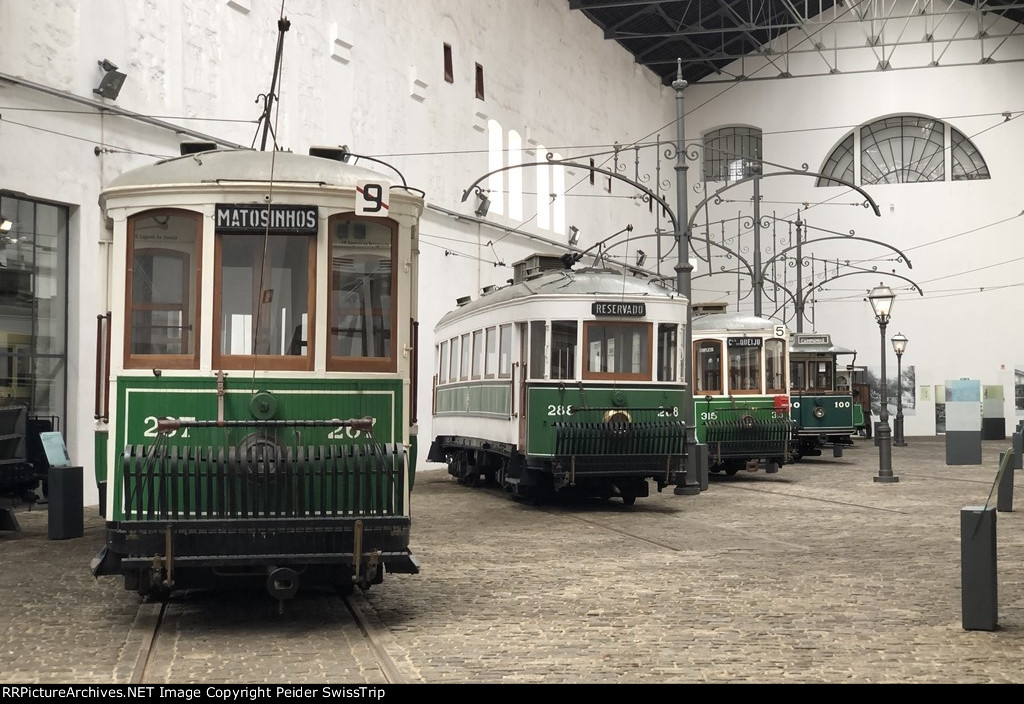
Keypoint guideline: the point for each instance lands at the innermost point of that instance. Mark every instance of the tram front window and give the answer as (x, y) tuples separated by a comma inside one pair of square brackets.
[(265, 296), (361, 316), (163, 251), (745, 364)]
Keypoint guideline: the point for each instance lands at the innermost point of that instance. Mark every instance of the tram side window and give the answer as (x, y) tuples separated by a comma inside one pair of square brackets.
[(490, 353), (668, 335), (453, 367), (823, 375), (537, 342), (163, 289), (361, 311), (563, 349), (442, 364), (265, 300), (798, 376), (617, 350), (467, 350), (478, 354), (707, 368), (775, 366), (505, 351), (744, 364)]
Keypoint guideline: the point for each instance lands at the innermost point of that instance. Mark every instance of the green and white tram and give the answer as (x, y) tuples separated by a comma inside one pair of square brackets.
[(563, 382), (255, 415), (741, 392)]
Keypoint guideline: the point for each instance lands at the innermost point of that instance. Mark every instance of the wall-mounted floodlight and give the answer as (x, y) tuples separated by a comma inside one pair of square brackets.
[(484, 205), (574, 235), (110, 84)]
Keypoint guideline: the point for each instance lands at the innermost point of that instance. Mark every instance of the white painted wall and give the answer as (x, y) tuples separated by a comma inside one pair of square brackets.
[(368, 73)]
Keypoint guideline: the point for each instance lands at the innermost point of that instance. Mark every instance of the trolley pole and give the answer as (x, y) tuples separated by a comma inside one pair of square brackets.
[(696, 457)]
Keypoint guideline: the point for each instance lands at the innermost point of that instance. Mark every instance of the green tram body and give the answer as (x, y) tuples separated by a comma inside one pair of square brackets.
[(546, 419), (741, 403), (291, 467), (821, 397)]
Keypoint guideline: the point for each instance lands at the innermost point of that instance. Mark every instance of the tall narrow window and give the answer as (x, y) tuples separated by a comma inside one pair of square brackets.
[(361, 311), (537, 344), (265, 298), (505, 351), (707, 367), (668, 345), (491, 353), (732, 153), (775, 366), (478, 354), (449, 71), (442, 364), (563, 349), (495, 161), (163, 290), (479, 82), (515, 176)]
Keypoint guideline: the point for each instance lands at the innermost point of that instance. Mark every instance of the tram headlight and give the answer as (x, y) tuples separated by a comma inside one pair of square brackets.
[(819, 412), (617, 416)]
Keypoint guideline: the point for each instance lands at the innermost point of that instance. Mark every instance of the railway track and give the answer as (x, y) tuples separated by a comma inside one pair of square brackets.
[(224, 636)]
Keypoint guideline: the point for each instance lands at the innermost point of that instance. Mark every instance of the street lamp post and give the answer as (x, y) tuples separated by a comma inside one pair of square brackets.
[(881, 298), (899, 345)]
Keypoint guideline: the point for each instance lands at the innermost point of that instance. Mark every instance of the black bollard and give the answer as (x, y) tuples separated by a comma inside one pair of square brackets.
[(1004, 499)]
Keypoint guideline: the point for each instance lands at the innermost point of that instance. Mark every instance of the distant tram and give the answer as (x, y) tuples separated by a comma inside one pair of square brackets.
[(822, 402), (740, 392), (564, 382)]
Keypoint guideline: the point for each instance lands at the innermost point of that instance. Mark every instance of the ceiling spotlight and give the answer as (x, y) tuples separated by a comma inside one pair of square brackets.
[(574, 235), (110, 84), (484, 205)]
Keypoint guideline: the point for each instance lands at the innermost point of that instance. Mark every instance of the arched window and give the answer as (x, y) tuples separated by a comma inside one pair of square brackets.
[(903, 149), (839, 163), (732, 153), (967, 163)]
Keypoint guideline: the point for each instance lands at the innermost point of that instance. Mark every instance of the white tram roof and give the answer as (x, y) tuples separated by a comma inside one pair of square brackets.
[(564, 282), (732, 322), (246, 165)]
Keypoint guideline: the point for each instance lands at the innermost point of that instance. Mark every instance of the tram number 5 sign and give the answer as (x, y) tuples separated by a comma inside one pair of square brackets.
[(372, 199)]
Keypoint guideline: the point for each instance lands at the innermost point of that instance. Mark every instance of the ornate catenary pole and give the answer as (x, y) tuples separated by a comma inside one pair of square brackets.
[(696, 458)]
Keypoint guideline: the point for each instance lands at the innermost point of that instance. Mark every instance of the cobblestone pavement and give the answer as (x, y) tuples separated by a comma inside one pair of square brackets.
[(816, 574)]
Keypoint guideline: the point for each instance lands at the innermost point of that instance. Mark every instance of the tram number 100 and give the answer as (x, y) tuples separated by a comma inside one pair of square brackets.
[(838, 404)]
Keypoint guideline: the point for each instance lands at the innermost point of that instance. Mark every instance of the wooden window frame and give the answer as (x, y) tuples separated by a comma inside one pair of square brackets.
[(165, 361), (270, 362), (720, 391), (759, 391), (367, 364), (620, 376)]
